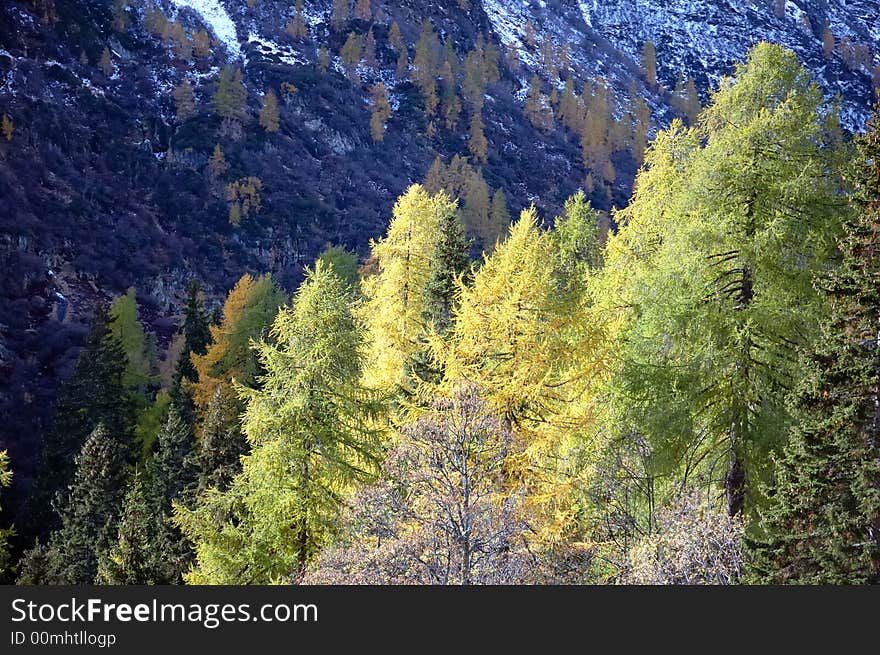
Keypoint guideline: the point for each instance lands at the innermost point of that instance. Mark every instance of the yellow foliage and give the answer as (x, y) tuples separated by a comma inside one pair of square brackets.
[(394, 301)]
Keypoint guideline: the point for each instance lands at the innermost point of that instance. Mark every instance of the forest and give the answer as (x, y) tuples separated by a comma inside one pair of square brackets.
[(685, 392)]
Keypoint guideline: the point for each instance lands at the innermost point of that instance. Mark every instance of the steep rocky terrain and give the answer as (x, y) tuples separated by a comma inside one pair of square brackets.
[(102, 187)]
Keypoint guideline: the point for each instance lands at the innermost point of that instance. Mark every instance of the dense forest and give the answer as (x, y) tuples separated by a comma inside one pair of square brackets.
[(685, 394)]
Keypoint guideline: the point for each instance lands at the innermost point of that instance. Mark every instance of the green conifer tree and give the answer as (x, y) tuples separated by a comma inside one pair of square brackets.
[(821, 523)]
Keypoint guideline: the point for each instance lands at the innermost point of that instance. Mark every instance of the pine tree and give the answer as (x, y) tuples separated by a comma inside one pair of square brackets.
[(173, 474), (311, 441), (89, 511), (137, 556), (230, 99), (381, 111), (821, 524), (222, 442), (449, 263), (269, 119), (196, 337), (106, 62)]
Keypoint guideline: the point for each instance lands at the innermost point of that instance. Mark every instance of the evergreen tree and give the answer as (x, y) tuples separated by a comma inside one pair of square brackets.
[(195, 330), (449, 263), (174, 474), (309, 430), (222, 441), (821, 523), (88, 514), (137, 556), (95, 394)]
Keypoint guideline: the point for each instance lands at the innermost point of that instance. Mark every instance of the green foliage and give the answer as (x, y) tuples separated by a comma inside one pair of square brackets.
[(137, 557), (126, 326), (88, 514), (344, 263), (309, 429), (230, 98), (5, 481), (95, 394), (708, 283), (820, 525)]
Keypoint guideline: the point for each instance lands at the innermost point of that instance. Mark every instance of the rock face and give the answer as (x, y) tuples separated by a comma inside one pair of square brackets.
[(102, 187)]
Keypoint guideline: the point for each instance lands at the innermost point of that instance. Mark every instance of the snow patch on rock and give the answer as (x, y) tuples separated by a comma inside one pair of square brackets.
[(217, 18)]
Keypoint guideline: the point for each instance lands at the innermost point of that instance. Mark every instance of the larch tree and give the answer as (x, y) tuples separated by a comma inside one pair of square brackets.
[(309, 429), (228, 358), (381, 111), (184, 100), (426, 66), (230, 98), (478, 145), (269, 119), (395, 297), (6, 533), (649, 64), (729, 223)]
